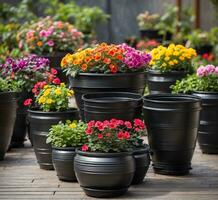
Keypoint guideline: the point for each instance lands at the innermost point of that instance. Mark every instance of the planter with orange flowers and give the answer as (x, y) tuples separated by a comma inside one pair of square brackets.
[(105, 68)]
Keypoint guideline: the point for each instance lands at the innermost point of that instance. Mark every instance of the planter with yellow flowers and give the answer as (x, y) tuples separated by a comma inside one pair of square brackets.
[(51, 106), (168, 65)]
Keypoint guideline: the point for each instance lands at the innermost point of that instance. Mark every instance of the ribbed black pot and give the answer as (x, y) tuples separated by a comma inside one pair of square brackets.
[(63, 161), (40, 123), (104, 174), (204, 49), (172, 123), (142, 162), (159, 82), (105, 106), (86, 83), (8, 106), (208, 129)]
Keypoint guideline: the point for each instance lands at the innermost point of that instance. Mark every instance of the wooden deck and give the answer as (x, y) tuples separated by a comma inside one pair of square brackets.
[(21, 178)]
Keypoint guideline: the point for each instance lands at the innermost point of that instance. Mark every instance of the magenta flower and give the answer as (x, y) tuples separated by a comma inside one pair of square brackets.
[(207, 70), (50, 43)]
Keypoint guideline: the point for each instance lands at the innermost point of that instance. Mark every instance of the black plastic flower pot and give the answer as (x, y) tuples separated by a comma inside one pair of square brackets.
[(105, 106), (151, 34), (160, 82), (204, 49), (40, 123), (142, 162), (86, 83), (172, 123), (63, 161), (208, 129), (8, 106), (104, 174)]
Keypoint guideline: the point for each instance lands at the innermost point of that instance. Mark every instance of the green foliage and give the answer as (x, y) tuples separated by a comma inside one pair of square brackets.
[(9, 85), (5, 52), (70, 134)]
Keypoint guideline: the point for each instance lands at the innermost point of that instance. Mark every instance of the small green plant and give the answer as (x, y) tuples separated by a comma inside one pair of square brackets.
[(9, 85), (147, 21), (70, 134)]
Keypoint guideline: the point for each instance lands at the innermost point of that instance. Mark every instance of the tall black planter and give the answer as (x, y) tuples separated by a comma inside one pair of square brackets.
[(105, 106), (40, 123), (104, 174), (172, 122), (86, 83), (208, 129), (63, 161), (159, 82), (8, 108)]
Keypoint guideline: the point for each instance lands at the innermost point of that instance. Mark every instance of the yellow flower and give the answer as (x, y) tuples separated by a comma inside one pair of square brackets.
[(175, 61), (49, 101), (182, 58), (164, 65), (58, 91), (171, 63), (72, 125), (167, 58), (42, 100), (62, 85), (176, 53), (47, 92), (70, 93), (47, 86)]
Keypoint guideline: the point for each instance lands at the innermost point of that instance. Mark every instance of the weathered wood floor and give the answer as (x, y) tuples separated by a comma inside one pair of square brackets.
[(21, 178)]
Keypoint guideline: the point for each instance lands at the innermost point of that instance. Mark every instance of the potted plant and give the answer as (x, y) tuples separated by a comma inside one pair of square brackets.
[(168, 65), (50, 39), (65, 138), (106, 68), (204, 84), (51, 106)]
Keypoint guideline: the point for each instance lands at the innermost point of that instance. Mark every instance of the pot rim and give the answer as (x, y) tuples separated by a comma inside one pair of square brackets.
[(102, 74), (52, 112), (64, 148), (154, 71), (143, 148), (204, 92), (103, 154)]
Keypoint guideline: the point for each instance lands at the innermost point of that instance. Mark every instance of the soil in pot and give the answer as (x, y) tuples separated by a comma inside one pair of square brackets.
[(8, 106), (172, 123), (40, 123), (104, 174), (63, 161), (118, 105)]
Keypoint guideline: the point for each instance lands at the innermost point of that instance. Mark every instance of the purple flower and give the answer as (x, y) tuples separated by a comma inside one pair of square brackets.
[(201, 71), (210, 69), (207, 70)]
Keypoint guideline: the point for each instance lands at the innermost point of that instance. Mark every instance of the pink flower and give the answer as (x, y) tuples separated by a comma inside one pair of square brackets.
[(56, 81), (43, 33), (201, 71), (50, 43), (139, 123), (100, 136), (54, 71), (210, 69), (88, 131), (85, 147), (216, 70), (128, 124), (91, 124), (99, 125), (108, 134), (27, 102), (30, 34), (126, 135), (120, 135)]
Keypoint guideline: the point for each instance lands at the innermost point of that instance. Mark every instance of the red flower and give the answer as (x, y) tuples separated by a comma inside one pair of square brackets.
[(137, 129), (34, 90), (126, 135), (27, 102), (91, 124), (85, 147), (120, 135), (42, 84), (139, 123), (112, 125), (106, 123), (88, 131), (56, 81), (54, 71), (99, 125), (100, 136), (113, 68), (128, 124), (120, 122)]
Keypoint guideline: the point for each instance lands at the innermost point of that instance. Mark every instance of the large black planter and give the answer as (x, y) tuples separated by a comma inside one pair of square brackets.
[(40, 123), (8, 106), (208, 129), (142, 162), (86, 83), (105, 106), (63, 161), (159, 82), (172, 122), (104, 174)]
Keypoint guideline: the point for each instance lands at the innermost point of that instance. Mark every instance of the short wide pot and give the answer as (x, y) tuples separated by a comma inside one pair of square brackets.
[(40, 122), (105, 106), (63, 161), (104, 174), (8, 106), (172, 123), (159, 82), (86, 83), (208, 129)]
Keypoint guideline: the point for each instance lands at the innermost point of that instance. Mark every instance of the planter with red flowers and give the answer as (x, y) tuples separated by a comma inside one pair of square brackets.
[(51, 106), (106, 68), (105, 165)]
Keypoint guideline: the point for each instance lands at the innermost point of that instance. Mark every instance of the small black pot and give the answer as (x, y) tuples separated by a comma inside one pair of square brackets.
[(208, 129), (40, 123), (86, 83), (63, 161), (172, 123), (105, 106), (8, 106), (159, 82), (104, 174), (204, 49), (142, 162)]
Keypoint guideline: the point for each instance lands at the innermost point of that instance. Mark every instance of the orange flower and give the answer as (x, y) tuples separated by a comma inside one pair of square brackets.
[(107, 61), (84, 67), (88, 59), (113, 68), (119, 57), (39, 43), (111, 52), (97, 57), (63, 62)]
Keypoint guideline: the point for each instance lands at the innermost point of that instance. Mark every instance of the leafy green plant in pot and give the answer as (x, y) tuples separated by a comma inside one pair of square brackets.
[(65, 138), (168, 64), (204, 84), (51, 105)]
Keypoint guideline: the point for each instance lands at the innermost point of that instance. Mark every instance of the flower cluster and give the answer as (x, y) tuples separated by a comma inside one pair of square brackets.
[(47, 36), (105, 58), (147, 20), (173, 57), (113, 135), (207, 70), (149, 44)]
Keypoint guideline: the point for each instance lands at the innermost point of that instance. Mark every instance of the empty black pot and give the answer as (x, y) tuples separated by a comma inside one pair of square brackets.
[(104, 174), (86, 83), (159, 82), (8, 108), (63, 161), (105, 106), (172, 123), (208, 129), (40, 123), (142, 162)]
